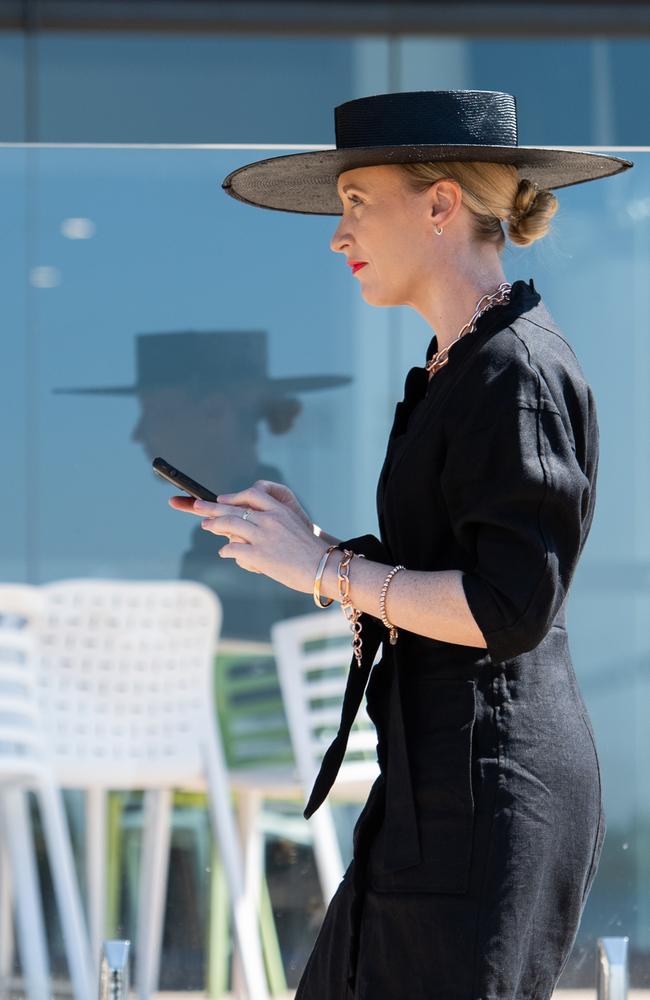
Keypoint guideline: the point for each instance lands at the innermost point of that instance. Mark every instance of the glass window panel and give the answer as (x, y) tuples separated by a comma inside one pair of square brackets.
[(112, 246), (236, 88), (13, 64), (222, 88), (17, 389)]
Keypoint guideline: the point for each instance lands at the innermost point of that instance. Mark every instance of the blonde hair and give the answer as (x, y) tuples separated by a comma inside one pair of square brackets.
[(493, 192)]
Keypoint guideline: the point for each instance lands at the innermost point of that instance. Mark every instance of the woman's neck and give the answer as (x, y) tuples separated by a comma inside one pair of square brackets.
[(448, 311)]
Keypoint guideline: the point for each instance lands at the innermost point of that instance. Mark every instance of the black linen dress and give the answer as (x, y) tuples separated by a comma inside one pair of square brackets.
[(478, 844)]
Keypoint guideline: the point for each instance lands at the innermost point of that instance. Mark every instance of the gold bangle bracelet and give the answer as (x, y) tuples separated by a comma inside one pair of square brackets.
[(317, 580)]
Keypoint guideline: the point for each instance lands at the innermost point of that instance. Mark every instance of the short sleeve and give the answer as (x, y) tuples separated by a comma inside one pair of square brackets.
[(520, 505)]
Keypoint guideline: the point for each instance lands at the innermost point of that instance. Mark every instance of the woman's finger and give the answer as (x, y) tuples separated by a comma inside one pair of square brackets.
[(254, 496), (233, 550), (202, 508), (181, 503), (278, 491), (232, 525)]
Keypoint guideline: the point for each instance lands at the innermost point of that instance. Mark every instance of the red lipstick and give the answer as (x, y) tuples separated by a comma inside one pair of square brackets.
[(357, 264)]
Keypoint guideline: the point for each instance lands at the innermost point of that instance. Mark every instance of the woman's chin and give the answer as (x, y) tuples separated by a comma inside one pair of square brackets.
[(374, 298)]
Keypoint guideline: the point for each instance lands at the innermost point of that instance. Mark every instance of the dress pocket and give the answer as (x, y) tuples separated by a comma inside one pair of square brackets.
[(440, 747)]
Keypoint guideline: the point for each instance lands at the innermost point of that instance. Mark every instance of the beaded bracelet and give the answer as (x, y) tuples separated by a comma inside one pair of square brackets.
[(382, 605)]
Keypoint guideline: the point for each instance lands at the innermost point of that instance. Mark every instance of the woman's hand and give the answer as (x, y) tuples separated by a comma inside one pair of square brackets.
[(279, 492), (277, 539)]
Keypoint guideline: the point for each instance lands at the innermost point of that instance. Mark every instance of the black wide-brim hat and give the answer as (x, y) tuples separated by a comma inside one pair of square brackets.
[(421, 125)]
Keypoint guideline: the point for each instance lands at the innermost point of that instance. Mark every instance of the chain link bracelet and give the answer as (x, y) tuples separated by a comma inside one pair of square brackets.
[(352, 614)]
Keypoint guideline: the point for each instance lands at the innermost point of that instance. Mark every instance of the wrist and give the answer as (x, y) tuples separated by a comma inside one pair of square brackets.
[(319, 533), (329, 586)]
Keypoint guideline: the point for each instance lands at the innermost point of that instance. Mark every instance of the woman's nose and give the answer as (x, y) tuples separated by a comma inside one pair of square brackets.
[(336, 241)]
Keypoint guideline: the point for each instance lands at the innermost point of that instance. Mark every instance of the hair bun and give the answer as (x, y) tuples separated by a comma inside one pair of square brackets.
[(525, 198), (531, 212)]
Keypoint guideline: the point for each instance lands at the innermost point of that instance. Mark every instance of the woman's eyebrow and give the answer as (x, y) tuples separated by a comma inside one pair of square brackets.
[(357, 187)]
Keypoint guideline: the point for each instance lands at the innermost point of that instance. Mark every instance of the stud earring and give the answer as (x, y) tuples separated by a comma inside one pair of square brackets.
[(439, 230)]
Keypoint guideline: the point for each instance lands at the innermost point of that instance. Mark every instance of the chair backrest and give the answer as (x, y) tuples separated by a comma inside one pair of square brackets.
[(125, 678), (313, 654), (21, 739), (252, 716)]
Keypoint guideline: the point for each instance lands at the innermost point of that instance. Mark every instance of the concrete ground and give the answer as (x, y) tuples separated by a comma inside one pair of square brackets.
[(13, 992), (558, 995)]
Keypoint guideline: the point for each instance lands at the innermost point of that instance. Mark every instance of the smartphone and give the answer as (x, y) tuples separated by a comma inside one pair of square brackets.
[(183, 482)]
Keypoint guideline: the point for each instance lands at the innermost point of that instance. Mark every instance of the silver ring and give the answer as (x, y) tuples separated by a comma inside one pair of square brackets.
[(247, 513)]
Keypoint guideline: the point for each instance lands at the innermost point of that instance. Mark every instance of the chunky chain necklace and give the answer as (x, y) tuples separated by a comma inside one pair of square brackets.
[(501, 295)]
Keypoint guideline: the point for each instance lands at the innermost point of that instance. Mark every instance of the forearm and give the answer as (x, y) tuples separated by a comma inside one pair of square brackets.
[(431, 604)]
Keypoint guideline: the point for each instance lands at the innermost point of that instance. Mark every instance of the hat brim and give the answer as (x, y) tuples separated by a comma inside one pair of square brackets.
[(274, 386), (306, 182)]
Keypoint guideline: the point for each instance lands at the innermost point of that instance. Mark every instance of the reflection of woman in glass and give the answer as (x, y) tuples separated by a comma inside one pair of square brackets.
[(476, 849), (202, 396)]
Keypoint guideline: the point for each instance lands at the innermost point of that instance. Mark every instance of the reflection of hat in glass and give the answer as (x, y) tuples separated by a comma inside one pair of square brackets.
[(201, 362), (424, 125)]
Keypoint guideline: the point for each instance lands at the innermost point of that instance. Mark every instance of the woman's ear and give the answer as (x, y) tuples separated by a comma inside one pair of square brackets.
[(446, 199)]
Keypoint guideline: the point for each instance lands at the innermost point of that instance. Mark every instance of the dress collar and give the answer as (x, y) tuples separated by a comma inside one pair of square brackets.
[(523, 297)]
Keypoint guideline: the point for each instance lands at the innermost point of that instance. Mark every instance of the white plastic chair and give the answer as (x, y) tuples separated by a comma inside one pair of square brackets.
[(313, 654), (126, 671), (24, 766)]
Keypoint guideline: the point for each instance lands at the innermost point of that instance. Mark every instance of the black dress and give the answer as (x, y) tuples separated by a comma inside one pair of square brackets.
[(476, 849)]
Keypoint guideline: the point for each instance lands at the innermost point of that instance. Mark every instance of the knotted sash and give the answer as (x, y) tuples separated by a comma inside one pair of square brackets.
[(402, 847)]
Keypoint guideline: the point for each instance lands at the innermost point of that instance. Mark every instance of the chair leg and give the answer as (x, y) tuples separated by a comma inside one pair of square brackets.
[(248, 812), (115, 809), (66, 887), (219, 928), (154, 867), (248, 809), (32, 944), (271, 945), (132, 853), (6, 922), (245, 919), (96, 871), (272, 956), (238, 984)]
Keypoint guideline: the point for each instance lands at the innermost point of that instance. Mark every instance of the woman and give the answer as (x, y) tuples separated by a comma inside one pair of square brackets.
[(478, 844)]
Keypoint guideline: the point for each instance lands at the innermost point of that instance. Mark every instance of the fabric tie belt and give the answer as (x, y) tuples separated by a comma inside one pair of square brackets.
[(401, 838)]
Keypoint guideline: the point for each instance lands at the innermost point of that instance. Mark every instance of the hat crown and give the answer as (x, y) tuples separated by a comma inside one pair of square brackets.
[(218, 358), (438, 117)]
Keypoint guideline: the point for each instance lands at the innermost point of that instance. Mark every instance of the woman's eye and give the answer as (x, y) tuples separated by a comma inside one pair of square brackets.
[(351, 196)]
